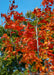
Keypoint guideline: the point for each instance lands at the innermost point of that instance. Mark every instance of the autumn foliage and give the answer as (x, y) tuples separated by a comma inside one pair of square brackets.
[(34, 50)]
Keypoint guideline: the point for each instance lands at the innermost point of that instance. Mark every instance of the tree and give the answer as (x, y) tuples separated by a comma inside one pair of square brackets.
[(27, 44)]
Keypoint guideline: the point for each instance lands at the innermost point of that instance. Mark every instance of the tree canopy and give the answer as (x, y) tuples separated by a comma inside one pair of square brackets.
[(26, 43)]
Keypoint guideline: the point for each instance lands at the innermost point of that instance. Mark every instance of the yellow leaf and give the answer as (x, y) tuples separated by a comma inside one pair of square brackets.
[(43, 67)]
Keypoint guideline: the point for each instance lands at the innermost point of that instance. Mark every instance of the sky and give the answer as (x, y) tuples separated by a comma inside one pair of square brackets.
[(23, 6)]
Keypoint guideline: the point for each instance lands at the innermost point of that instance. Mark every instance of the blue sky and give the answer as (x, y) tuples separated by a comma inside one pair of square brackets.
[(23, 5)]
